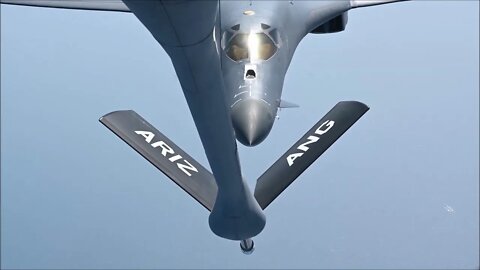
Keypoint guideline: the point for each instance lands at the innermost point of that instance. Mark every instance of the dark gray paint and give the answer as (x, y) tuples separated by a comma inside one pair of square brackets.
[(280, 175), (190, 32), (291, 21), (207, 83), (235, 215), (107, 5), (200, 185)]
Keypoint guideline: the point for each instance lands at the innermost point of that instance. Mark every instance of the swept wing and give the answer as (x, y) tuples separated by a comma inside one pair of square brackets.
[(106, 5), (367, 3)]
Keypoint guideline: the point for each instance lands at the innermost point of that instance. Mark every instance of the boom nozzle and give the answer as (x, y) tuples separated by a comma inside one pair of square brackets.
[(247, 246)]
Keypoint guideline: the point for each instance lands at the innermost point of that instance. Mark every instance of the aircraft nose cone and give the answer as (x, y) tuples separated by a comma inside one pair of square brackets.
[(252, 120)]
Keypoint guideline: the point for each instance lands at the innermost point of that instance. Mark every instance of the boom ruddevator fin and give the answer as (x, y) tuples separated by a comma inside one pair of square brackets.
[(181, 168), (306, 150)]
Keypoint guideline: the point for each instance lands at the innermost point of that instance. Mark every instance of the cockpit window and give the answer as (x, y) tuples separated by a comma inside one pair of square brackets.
[(237, 48), (255, 46), (266, 47)]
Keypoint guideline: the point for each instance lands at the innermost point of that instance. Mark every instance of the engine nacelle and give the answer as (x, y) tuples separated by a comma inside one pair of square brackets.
[(334, 25)]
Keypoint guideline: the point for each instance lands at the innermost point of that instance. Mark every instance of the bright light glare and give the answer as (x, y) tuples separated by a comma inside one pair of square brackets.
[(253, 46)]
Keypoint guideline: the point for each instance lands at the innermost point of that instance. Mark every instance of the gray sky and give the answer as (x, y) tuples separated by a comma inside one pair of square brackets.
[(75, 196)]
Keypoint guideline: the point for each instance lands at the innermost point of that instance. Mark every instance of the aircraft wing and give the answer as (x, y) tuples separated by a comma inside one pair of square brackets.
[(106, 5), (329, 16), (170, 159), (367, 3)]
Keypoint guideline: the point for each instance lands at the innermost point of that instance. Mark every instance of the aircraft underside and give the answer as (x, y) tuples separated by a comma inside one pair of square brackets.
[(231, 58)]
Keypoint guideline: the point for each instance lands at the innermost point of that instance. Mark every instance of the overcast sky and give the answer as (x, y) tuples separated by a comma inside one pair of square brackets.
[(399, 190)]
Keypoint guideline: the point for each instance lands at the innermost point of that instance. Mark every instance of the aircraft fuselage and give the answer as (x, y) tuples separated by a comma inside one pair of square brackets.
[(254, 74), (258, 42)]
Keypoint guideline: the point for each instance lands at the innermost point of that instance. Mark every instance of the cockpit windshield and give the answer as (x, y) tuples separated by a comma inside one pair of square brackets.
[(255, 46)]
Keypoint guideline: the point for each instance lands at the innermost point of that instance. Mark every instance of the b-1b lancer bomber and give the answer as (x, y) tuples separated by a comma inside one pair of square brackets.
[(231, 58)]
